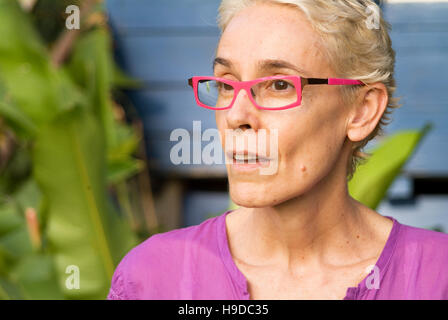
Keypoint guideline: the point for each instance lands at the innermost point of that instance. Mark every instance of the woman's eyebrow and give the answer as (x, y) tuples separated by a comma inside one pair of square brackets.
[(264, 65), (222, 61), (273, 64)]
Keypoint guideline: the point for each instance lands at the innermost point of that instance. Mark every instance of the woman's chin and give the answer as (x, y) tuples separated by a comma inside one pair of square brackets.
[(252, 199)]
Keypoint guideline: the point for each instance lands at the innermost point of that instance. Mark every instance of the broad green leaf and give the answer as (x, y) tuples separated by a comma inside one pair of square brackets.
[(82, 230), (16, 172), (16, 119), (28, 196), (75, 134), (36, 275), (121, 170), (126, 143), (14, 116), (9, 219), (17, 32), (31, 82), (371, 180), (92, 68), (9, 290), (14, 239), (17, 243)]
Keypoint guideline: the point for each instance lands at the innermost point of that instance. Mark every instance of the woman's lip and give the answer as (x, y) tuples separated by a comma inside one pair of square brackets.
[(246, 166)]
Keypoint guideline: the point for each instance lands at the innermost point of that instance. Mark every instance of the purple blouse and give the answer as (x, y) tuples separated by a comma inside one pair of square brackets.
[(195, 263)]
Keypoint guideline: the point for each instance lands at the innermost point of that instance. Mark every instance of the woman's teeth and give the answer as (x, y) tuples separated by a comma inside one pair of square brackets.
[(245, 157)]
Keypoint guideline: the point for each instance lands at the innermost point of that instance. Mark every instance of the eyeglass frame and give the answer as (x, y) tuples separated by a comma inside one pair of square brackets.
[(247, 85)]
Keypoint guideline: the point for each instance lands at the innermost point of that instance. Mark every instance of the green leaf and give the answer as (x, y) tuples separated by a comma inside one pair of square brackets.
[(126, 143), (82, 230), (9, 219), (28, 196), (17, 170), (31, 83), (371, 180), (9, 290), (17, 243), (14, 239), (76, 141), (16, 118), (37, 277), (92, 68), (121, 170)]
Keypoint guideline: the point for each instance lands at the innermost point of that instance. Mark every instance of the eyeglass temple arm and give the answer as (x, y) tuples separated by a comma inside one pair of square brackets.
[(190, 81), (331, 81)]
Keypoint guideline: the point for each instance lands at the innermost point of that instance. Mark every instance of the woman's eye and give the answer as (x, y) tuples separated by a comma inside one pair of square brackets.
[(280, 85), (225, 86)]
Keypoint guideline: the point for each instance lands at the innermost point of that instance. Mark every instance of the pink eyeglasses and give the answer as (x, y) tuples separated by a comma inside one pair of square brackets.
[(268, 93)]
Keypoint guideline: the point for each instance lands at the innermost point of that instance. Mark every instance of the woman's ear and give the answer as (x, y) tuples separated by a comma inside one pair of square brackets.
[(367, 111)]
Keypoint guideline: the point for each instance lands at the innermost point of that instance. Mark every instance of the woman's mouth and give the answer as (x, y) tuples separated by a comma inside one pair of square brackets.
[(246, 161)]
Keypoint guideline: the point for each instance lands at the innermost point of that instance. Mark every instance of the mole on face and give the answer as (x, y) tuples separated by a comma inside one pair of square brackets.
[(302, 168)]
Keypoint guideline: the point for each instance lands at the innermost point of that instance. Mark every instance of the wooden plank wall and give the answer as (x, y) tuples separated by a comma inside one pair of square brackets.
[(420, 38)]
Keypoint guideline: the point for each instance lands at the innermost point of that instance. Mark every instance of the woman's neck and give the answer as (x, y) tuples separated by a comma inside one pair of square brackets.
[(318, 227)]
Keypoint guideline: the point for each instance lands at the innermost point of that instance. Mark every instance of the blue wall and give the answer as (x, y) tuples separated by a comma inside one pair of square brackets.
[(420, 38)]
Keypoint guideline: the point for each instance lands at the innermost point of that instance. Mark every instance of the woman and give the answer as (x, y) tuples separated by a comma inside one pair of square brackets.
[(297, 234)]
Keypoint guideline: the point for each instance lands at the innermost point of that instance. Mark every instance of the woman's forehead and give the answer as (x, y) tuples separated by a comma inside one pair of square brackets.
[(267, 32)]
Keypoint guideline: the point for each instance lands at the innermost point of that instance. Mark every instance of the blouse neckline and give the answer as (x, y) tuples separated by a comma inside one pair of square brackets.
[(352, 292)]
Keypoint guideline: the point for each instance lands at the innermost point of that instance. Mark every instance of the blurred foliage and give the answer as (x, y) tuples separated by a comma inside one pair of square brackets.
[(62, 149), (371, 181), (373, 178), (438, 228)]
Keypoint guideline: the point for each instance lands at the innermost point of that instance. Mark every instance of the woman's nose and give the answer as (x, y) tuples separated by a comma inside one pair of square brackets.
[(243, 114)]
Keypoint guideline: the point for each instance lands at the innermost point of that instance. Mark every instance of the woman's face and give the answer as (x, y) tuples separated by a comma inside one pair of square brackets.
[(310, 136)]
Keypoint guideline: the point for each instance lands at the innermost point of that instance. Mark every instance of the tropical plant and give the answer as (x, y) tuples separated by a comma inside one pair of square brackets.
[(62, 150)]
